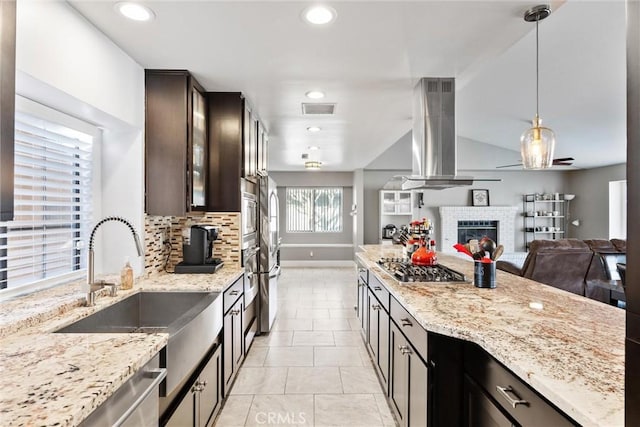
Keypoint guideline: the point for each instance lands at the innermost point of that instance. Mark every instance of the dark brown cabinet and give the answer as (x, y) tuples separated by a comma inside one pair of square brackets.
[(176, 145), (7, 105), (378, 319), (408, 381), (361, 307), (203, 400), (233, 341), (480, 411), (233, 149)]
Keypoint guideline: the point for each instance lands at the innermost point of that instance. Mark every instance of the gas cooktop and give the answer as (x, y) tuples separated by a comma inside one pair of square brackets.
[(406, 272)]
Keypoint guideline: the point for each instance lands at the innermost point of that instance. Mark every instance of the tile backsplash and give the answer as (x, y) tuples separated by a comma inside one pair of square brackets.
[(161, 228)]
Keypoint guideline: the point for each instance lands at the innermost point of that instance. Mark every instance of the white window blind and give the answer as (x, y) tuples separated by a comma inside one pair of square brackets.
[(316, 210), (52, 203)]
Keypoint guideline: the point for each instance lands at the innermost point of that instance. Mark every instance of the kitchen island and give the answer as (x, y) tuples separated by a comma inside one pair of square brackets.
[(60, 379), (568, 348)]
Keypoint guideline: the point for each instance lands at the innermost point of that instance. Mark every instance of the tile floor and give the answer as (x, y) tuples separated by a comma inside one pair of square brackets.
[(313, 368)]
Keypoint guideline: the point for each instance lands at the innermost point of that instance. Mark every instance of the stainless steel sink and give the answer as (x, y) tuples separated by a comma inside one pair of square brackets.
[(193, 321)]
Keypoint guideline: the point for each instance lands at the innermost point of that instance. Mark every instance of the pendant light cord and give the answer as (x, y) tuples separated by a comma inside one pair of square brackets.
[(537, 71)]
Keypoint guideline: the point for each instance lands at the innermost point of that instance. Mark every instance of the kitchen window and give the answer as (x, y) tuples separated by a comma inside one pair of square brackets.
[(314, 210), (43, 245)]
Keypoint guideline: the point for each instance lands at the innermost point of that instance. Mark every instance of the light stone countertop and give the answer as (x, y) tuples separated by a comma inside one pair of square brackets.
[(571, 350), (51, 379)]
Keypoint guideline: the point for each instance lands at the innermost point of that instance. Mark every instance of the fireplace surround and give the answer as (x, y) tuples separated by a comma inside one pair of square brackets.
[(504, 216)]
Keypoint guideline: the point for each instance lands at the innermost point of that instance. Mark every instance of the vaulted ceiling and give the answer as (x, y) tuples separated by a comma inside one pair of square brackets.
[(368, 60)]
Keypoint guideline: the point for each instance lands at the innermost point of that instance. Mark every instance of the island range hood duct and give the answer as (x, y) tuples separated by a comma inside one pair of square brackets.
[(434, 137)]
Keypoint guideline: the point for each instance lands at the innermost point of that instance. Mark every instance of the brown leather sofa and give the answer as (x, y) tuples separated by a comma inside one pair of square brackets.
[(567, 264), (597, 269), (560, 263)]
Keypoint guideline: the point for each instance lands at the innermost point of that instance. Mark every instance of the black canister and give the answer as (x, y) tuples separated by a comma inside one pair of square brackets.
[(484, 274)]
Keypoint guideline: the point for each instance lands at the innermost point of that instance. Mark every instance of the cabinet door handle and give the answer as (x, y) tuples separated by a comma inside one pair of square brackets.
[(235, 312), (404, 349), (234, 293), (376, 306), (202, 384), (406, 322), (377, 288), (362, 270), (504, 391)]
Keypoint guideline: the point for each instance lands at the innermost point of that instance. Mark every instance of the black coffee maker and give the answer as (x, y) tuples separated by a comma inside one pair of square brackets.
[(197, 252)]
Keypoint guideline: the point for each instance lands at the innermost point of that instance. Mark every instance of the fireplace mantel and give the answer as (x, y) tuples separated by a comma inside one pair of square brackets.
[(505, 215)]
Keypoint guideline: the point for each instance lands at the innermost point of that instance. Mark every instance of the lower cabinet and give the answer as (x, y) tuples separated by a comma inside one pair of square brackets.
[(361, 308), (233, 343), (203, 399), (408, 381), (480, 411), (378, 330)]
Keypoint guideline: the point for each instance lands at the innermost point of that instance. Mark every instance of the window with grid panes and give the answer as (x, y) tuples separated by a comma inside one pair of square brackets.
[(314, 210)]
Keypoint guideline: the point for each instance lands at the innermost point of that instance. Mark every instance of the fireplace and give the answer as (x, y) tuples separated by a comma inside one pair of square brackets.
[(502, 218), (468, 230)]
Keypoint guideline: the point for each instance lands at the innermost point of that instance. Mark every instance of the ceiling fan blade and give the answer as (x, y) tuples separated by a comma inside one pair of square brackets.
[(562, 163), (508, 166), (563, 159)]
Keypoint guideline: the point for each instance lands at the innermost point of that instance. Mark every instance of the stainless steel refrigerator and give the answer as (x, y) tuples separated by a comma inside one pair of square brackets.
[(269, 265)]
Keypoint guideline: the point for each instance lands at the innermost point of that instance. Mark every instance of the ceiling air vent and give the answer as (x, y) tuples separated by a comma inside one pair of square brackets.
[(318, 108), (305, 156)]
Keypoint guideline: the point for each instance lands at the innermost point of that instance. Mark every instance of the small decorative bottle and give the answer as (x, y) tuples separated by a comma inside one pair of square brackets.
[(126, 276)]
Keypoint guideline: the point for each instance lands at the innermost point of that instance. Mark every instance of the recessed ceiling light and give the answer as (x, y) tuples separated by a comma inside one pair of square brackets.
[(319, 14), (314, 129), (135, 11), (313, 148), (315, 94), (313, 165)]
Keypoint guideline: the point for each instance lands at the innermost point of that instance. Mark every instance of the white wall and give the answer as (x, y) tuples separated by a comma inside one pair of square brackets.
[(65, 62), (591, 205)]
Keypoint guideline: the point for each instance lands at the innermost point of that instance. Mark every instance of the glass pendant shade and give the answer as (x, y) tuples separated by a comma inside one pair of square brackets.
[(537, 145)]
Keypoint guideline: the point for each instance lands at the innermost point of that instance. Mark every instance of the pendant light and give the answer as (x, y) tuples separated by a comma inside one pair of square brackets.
[(537, 144)]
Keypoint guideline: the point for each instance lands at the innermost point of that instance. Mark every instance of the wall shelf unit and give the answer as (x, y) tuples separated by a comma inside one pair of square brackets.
[(543, 217), (396, 207)]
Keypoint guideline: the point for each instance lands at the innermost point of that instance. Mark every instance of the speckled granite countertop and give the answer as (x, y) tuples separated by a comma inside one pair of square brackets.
[(48, 379), (571, 350)]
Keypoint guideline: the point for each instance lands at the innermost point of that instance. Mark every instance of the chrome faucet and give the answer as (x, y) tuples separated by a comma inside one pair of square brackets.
[(94, 287)]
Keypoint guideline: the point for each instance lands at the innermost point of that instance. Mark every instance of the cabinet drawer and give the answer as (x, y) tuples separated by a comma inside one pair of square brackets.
[(514, 396), (363, 274), (410, 327), (380, 291), (232, 293)]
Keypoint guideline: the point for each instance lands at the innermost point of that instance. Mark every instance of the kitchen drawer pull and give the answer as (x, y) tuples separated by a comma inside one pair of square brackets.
[(234, 312), (362, 270), (376, 306), (234, 293), (404, 349), (504, 391), (406, 322), (377, 288)]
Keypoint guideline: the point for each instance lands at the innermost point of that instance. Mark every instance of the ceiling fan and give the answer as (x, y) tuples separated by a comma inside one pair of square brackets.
[(564, 161)]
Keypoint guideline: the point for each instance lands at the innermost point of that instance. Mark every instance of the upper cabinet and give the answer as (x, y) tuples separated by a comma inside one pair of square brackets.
[(7, 105), (176, 146), (237, 149)]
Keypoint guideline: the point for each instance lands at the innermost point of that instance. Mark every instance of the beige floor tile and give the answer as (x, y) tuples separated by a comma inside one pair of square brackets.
[(313, 313), (342, 313), (293, 325), (274, 339), (256, 356), (281, 410), (331, 325), (289, 310), (359, 380), (355, 324), (327, 304), (385, 412), (260, 381), (313, 380), (289, 356), (354, 410), (313, 338), (348, 338), (234, 413), (337, 356)]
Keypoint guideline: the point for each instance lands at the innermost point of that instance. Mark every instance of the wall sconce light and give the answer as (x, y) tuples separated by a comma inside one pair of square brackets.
[(575, 223)]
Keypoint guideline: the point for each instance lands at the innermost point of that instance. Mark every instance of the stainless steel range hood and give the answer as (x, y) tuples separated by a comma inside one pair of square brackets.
[(434, 148)]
